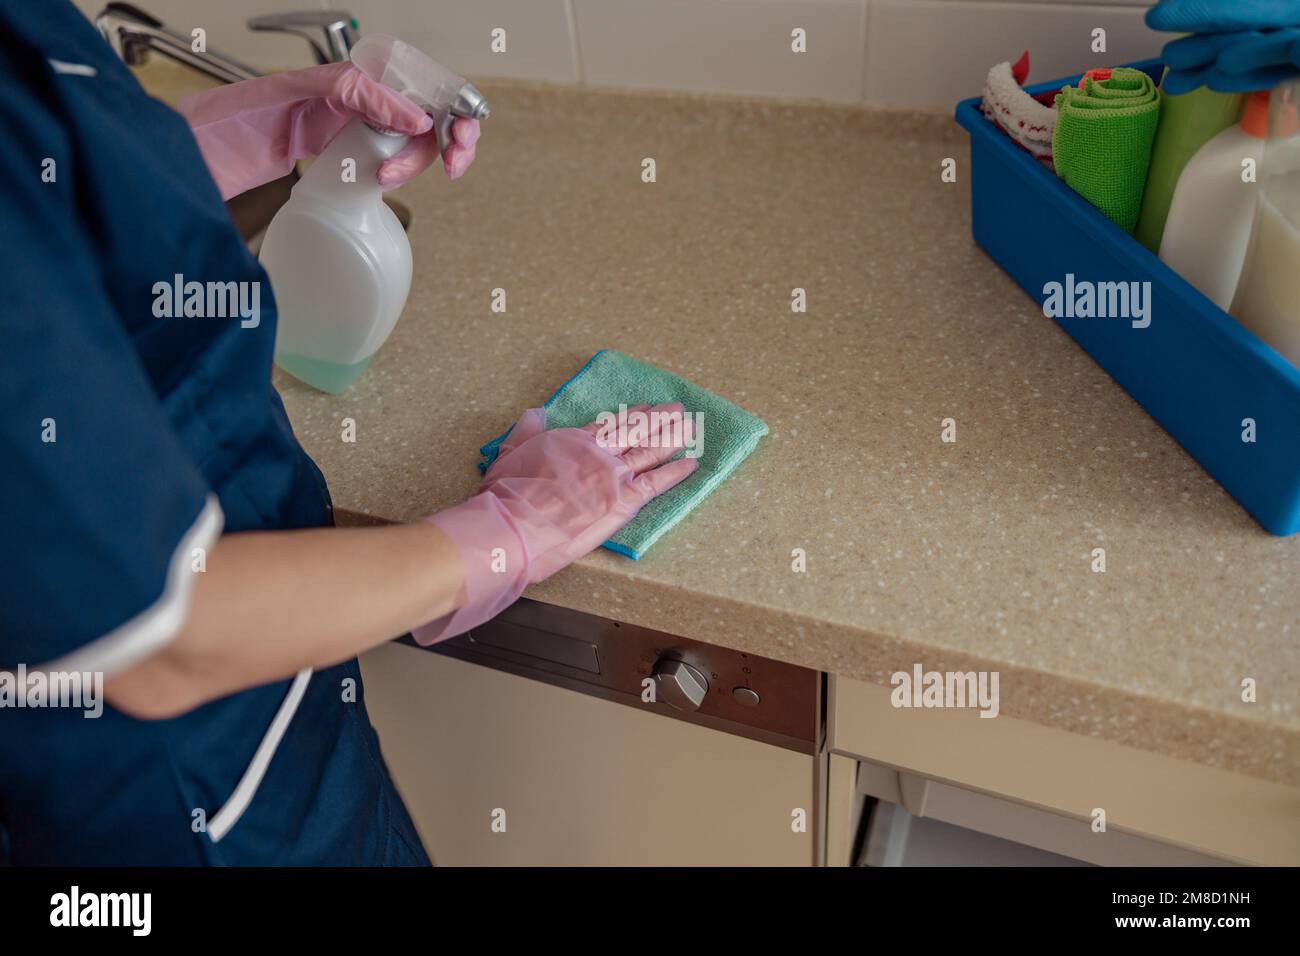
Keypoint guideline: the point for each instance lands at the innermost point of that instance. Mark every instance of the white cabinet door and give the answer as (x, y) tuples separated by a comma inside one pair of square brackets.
[(1044, 786), (574, 779)]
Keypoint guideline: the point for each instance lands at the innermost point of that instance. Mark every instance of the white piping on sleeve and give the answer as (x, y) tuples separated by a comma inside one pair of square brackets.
[(72, 69), (225, 818), (157, 625)]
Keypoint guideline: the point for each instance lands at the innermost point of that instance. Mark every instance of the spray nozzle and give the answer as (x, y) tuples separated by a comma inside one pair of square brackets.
[(437, 90)]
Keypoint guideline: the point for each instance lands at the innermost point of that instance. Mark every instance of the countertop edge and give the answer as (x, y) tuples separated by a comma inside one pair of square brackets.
[(1122, 716), (1108, 713)]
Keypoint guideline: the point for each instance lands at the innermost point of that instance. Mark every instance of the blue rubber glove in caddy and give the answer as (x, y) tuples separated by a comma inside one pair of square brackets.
[(1234, 47)]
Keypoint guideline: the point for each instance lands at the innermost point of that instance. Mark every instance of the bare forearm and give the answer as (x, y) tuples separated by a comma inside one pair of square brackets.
[(273, 602)]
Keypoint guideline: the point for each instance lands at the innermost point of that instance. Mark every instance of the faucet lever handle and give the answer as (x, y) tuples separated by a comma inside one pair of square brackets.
[(337, 28)]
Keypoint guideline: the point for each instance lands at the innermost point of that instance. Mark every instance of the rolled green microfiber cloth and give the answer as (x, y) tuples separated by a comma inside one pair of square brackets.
[(1102, 143), (611, 378)]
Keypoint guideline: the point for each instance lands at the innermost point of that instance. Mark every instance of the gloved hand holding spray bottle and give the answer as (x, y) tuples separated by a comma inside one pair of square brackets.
[(339, 261)]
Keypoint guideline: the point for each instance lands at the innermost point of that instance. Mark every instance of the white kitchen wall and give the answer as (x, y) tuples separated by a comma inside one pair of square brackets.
[(724, 46), (928, 54), (540, 41), (923, 54)]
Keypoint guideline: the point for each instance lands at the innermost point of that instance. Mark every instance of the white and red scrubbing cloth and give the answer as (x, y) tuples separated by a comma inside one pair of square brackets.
[(1028, 121)]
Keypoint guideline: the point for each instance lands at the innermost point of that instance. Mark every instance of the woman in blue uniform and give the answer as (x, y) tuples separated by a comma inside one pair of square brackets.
[(163, 527)]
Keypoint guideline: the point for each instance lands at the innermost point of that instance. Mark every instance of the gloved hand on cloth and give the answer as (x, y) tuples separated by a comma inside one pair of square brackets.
[(1234, 47), (552, 496)]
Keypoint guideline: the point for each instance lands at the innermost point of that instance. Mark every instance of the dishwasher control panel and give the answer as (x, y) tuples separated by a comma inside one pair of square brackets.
[(685, 679)]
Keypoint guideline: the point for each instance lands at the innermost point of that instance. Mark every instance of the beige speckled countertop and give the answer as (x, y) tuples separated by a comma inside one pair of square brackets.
[(974, 554)]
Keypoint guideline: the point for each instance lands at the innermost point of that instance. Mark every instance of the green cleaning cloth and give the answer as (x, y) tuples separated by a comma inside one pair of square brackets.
[(611, 378), (1102, 143)]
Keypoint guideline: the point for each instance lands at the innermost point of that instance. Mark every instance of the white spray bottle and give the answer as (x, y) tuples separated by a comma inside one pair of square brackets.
[(338, 259)]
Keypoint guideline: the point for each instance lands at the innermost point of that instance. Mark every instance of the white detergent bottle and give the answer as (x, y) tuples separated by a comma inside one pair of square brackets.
[(338, 259), (1268, 297), (1210, 215)]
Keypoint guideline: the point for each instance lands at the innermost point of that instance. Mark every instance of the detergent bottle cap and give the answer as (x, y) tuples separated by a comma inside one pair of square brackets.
[(1254, 115)]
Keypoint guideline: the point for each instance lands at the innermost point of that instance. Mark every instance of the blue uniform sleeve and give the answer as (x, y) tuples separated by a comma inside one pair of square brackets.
[(100, 505)]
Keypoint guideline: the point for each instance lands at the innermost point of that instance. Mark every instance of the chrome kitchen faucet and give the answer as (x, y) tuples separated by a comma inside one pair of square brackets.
[(133, 34)]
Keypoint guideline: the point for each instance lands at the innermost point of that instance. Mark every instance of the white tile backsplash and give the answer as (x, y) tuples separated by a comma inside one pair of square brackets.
[(1144, 4), (724, 46), (539, 44), (928, 54), (923, 54)]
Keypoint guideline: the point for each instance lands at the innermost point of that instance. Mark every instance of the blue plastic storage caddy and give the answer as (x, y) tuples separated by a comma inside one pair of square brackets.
[(1194, 368)]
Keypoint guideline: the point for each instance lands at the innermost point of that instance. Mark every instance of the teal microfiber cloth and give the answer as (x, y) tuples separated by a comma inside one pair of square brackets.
[(611, 378)]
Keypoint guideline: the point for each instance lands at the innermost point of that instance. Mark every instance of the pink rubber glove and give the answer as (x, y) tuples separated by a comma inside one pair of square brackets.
[(254, 131), (548, 499)]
